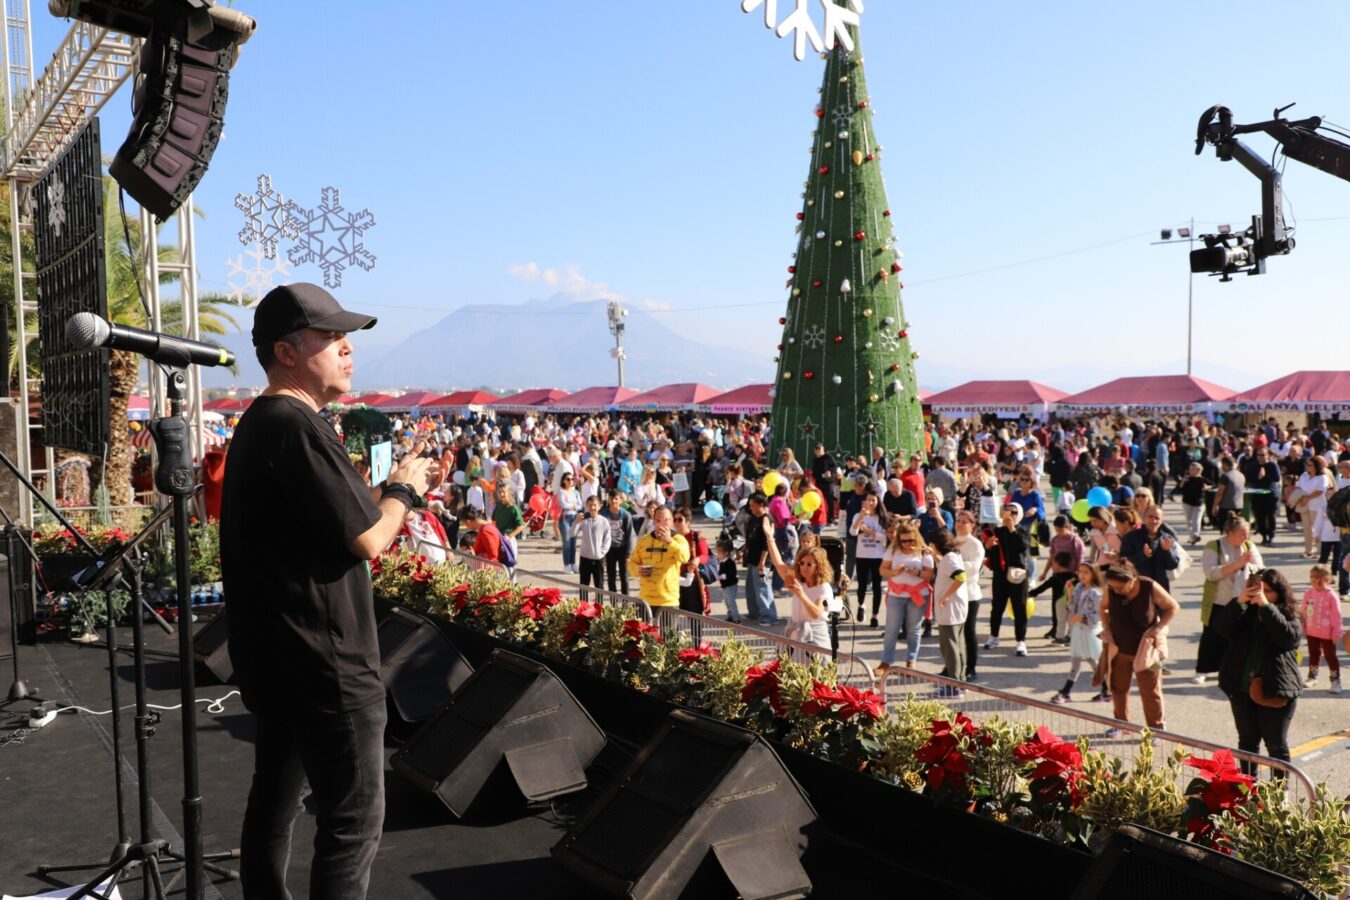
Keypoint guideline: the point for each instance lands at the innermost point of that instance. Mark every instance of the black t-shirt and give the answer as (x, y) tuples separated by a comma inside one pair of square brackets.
[(301, 615), (756, 541), (899, 505)]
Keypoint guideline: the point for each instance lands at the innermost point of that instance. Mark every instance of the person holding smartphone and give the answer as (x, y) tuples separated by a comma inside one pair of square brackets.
[(1260, 671)]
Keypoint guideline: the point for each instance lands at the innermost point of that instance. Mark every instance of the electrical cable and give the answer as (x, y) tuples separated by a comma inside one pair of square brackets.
[(214, 706)]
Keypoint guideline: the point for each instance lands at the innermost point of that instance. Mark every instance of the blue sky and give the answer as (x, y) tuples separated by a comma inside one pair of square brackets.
[(655, 151)]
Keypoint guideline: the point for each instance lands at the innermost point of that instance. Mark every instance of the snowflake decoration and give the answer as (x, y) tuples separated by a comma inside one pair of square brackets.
[(802, 27), (808, 427), (814, 337), (257, 279), (267, 218), (56, 202), (843, 114), (330, 237), (889, 342)]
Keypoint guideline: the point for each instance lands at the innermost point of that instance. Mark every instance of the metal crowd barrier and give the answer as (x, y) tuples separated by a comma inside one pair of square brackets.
[(979, 702)]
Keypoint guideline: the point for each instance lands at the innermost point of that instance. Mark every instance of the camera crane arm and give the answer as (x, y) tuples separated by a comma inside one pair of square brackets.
[(1226, 254)]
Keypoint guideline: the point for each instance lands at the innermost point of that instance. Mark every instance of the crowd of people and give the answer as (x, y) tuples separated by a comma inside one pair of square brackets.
[(693, 511)]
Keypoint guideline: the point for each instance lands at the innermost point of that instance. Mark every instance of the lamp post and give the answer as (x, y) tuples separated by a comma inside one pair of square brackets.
[(1186, 235), (616, 316)]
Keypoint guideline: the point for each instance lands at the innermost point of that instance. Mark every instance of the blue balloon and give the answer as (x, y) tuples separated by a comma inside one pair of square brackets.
[(1099, 496), (712, 509)]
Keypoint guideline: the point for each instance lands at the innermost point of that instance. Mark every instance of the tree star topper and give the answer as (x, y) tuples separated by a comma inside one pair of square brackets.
[(802, 27)]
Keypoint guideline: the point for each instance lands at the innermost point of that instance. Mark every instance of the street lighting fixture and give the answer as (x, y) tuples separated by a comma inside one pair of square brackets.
[(1184, 234)]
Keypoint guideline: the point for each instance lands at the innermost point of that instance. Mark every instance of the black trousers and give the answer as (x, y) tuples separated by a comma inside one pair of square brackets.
[(592, 573), (968, 631), (341, 755), (1256, 723), (1263, 512), (1006, 592), (616, 566), (869, 573)]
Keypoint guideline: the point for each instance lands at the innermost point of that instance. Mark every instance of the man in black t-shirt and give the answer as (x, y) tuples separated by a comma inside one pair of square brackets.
[(297, 526), (825, 476)]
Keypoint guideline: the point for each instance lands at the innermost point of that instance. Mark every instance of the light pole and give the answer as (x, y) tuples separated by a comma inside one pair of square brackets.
[(1187, 236), (616, 316)]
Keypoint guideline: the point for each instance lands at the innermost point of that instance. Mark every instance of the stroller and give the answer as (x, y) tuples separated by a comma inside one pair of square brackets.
[(537, 511)]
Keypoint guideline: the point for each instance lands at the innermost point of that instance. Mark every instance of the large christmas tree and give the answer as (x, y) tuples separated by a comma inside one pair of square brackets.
[(845, 367)]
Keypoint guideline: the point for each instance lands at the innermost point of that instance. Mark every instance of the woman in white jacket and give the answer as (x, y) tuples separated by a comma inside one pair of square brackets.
[(972, 556)]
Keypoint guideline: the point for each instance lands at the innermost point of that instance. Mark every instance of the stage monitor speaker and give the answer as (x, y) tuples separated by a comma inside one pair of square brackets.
[(702, 804), (1140, 862), (211, 648), (179, 103), (419, 665), (512, 730), (16, 580)]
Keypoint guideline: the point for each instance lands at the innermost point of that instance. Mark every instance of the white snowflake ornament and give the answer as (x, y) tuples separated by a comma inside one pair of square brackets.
[(814, 337), (249, 283), (331, 237), (266, 219)]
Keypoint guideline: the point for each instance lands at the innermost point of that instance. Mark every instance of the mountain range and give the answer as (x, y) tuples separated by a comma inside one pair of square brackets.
[(558, 342)]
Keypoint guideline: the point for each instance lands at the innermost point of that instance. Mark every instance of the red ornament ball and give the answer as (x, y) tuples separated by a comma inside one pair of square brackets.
[(824, 170), (782, 320), (801, 217), (895, 367), (871, 157), (886, 213), (838, 338), (816, 283), (792, 269), (895, 268), (780, 346), (820, 113), (859, 235), (903, 334), (862, 105), (808, 374)]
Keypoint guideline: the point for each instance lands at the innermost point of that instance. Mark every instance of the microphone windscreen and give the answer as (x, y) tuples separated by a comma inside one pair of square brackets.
[(87, 330)]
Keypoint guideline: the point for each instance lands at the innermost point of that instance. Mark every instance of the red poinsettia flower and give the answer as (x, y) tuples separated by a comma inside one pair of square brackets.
[(691, 655), (635, 629), (1226, 786), (1060, 766), (459, 597), (823, 699), (762, 682), (855, 702), (586, 612)]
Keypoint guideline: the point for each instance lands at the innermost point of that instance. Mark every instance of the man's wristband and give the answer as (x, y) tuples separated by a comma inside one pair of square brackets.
[(400, 491)]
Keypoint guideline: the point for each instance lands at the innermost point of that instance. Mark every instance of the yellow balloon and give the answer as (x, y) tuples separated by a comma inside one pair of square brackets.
[(771, 482), (810, 501)]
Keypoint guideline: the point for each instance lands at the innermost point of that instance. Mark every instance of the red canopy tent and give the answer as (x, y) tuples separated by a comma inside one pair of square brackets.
[(370, 399), (592, 399), (526, 401), (686, 395), (1158, 394), (410, 400), (751, 400), (1307, 391), (228, 404), (1005, 399), (460, 399)]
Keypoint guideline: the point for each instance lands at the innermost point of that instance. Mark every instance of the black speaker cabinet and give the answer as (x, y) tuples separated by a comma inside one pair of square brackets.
[(16, 581), (702, 804), (1140, 862), (511, 730), (211, 648), (419, 665)]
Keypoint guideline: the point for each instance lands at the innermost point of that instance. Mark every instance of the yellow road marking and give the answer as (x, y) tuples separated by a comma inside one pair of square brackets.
[(1318, 743)]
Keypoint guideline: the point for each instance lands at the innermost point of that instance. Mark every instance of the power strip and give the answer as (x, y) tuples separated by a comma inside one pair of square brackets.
[(41, 714)]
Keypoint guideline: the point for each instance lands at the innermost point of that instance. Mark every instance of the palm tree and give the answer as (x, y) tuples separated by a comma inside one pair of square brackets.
[(125, 306)]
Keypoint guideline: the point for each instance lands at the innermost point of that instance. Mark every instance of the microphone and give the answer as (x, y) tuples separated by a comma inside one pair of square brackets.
[(87, 331)]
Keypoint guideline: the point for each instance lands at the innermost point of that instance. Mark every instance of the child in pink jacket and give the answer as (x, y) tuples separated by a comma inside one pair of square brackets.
[(1321, 615)]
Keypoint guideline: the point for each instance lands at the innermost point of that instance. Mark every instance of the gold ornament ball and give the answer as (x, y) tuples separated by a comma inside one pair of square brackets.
[(787, 376), (867, 314), (796, 292), (839, 243), (839, 195), (872, 398), (810, 202), (829, 144)]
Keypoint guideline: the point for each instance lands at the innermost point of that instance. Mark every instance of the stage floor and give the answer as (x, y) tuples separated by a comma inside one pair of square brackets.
[(58, 805)]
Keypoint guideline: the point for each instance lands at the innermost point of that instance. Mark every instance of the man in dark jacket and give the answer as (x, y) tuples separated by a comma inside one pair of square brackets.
[(825, 475)]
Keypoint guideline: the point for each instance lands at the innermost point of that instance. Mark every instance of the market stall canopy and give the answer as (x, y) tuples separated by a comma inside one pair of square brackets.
[(1308, 391), (686, 395), (138, 408), (751, 400), (371, 399), (526, 401), (410, 400), (592, 399), (1006, 399), (1158, 394), (462, 399)]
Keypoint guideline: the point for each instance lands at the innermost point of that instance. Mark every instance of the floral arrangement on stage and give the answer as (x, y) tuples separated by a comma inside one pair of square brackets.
[(1013, 773)]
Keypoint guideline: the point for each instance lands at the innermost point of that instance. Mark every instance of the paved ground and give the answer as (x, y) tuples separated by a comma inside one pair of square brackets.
[(1320, 734)]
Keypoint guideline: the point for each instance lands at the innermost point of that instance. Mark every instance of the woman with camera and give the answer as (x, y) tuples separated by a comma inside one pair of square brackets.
[(1259, 671)]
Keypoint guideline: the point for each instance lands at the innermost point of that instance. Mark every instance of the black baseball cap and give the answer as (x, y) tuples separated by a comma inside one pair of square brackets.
[(291, 307)]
